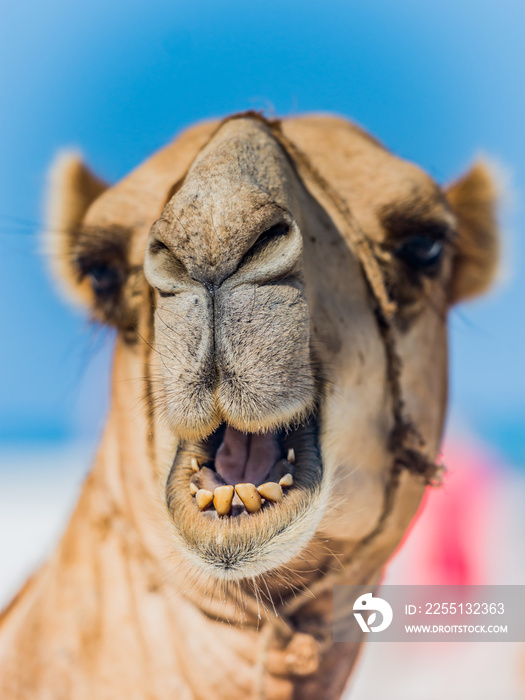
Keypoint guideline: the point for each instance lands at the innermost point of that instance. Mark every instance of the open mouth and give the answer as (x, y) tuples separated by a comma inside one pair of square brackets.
[(235, 473), (243, 472), (233, 494)]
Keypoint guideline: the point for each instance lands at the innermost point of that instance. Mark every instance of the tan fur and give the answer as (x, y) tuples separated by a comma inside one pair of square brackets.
[(73, 188), (473, 199), (145, 597)]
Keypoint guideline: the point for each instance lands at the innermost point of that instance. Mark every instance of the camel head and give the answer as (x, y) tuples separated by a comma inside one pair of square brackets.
[(280, 292)]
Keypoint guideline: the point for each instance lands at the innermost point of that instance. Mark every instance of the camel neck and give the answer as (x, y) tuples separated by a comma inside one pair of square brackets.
[(117, 580)]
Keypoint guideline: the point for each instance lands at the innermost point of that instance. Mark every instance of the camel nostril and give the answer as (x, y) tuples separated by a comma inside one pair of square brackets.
[(156, 246), (162, 267), (275, 231)]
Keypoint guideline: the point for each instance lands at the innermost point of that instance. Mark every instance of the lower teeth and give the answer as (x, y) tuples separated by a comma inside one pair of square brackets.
[(222, 499), (209, 489)]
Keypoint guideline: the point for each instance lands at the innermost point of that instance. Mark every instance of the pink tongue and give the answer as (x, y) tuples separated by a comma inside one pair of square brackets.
[(246, 458)]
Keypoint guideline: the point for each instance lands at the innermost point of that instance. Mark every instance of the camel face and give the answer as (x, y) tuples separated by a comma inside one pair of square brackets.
[(238, 282)]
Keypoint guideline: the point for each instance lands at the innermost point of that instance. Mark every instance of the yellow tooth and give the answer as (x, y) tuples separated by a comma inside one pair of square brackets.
[(271, 491), (286, 480), (203, 498), (291, 455), (194, 464), (249, 496), (193, 488), (222, 499)]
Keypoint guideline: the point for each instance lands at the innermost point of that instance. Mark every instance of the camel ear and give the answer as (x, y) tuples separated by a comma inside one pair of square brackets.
[(72, 188), (473, 199)]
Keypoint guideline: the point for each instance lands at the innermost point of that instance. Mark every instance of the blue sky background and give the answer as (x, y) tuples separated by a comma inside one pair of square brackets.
[(436, 82)]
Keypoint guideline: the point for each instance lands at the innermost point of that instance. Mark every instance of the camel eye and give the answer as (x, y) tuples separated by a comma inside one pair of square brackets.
[(105, 279), (420, 252)]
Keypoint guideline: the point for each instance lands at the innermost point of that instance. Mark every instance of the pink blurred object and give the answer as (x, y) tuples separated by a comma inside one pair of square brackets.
[(448, 541)]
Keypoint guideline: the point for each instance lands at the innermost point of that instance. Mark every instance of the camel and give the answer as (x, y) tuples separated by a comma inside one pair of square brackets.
[(280, 291)]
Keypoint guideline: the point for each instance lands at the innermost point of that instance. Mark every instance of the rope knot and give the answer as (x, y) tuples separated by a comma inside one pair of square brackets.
[(301, 656)]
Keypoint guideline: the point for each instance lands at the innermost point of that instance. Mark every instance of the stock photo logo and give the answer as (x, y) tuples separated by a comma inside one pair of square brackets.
[(368, 603)]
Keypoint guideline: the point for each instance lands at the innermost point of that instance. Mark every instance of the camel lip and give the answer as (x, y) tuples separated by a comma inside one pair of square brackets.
[(239, 542)]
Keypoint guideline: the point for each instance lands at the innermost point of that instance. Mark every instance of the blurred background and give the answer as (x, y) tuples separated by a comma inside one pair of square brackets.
[(438, 83)]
